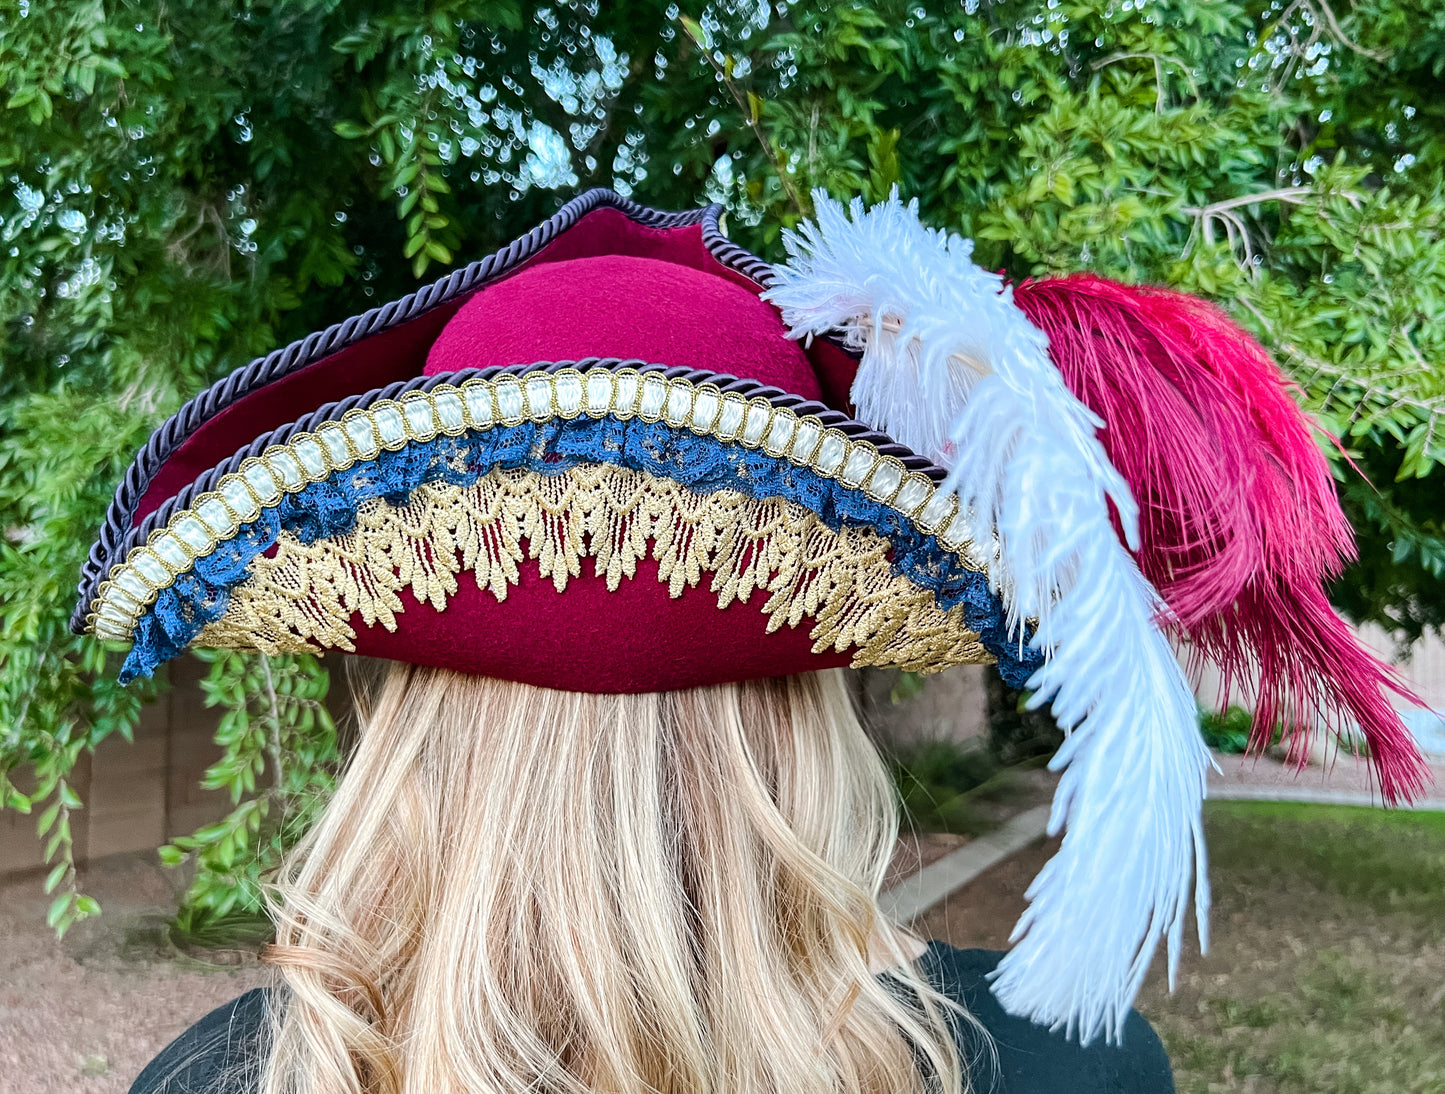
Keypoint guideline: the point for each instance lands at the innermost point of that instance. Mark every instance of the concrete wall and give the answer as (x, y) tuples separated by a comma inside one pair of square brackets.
[(137, 794), (953, 705), (1423, 669)]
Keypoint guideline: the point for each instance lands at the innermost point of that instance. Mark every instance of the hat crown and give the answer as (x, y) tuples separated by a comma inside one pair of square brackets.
[(625, 306)]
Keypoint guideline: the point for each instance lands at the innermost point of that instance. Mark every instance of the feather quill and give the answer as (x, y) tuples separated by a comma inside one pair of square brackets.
[(951, 367), (1240, 523)]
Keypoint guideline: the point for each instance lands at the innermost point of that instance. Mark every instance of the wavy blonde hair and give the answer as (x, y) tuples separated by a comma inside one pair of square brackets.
[(521, 890)]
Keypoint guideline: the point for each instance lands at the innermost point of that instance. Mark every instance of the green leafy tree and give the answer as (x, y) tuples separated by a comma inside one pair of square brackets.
[(190, 183)]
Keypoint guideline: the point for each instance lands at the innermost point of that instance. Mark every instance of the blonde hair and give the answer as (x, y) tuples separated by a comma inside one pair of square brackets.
[(522, 890)]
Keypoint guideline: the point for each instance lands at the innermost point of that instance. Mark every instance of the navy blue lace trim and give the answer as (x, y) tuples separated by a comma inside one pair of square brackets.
[(703, 464)]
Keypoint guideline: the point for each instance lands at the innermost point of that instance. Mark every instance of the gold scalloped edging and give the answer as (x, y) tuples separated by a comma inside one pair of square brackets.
[(362, 433), (302, 598)]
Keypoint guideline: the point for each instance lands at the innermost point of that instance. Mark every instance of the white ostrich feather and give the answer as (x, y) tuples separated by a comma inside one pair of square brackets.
[(952, 368)]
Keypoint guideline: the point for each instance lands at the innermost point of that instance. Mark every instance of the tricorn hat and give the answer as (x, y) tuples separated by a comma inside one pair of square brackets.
[(622, 454), (593, 461)]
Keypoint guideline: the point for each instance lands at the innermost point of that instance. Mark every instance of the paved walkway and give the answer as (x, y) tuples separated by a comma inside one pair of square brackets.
[(914, 895), (1341, 779), (1345, 781)]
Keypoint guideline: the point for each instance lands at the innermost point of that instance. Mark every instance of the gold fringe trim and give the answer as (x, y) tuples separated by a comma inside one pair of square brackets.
[(303, 597), (624, 393)]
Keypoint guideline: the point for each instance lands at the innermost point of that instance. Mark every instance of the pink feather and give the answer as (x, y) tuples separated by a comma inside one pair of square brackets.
[(1239, 521)]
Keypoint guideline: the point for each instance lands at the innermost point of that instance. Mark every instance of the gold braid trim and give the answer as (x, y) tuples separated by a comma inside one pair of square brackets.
[(303, 597)]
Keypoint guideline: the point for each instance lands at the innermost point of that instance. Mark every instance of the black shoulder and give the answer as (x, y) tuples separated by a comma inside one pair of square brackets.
[(1030, 1059), (220, 1054)]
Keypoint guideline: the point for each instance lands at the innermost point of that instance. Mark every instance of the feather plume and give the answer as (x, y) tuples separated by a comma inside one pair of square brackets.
[(951, 367), (1240, 525)]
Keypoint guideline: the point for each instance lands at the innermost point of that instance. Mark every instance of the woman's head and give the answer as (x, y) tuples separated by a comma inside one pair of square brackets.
[(517, 889)]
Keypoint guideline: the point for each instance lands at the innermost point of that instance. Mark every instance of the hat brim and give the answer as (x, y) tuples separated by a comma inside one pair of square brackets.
[(807, 516)]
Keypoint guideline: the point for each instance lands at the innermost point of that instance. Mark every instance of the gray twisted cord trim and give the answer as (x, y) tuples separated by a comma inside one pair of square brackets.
[(729, 253), (118, 533), (263, 370)]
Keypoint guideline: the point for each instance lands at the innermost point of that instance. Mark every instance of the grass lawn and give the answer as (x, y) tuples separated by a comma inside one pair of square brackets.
[(1327, 970)]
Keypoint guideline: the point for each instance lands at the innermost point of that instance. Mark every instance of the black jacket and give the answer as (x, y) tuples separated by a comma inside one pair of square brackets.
[(220, 1053)]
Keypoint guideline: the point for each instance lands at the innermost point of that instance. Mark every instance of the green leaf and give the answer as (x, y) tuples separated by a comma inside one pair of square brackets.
[(170, 855), (58, 907), (56, 874), (695, 31), (47, 818)]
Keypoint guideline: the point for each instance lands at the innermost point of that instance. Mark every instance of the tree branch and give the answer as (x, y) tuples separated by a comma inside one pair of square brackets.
[(749, 114), (273, 736), (1160, 60), (1327, 13), (1294, 195), (1235, 228)]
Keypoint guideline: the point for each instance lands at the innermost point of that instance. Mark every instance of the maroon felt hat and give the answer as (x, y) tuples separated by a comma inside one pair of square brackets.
[(594, 460)]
